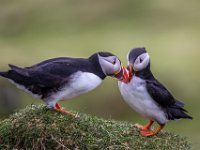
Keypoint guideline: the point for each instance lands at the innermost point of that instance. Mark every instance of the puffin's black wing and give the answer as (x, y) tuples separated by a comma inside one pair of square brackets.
[(159, 93), (173, 108), (47, 76), (62, 67)]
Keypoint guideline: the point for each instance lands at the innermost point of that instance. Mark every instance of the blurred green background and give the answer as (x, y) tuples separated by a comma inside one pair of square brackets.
[(35, 30)]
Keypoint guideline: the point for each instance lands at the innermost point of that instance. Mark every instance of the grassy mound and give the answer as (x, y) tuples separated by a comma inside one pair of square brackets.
[(37, 127)]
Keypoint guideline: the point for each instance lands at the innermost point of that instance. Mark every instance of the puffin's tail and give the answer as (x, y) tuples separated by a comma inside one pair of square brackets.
[(177, 111), (18, 70), (15, 74), (20, 77), (4, 74)]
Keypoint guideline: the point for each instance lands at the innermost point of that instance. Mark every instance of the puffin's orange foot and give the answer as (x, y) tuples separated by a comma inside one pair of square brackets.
[(59, 109), (64, 111), (146, 127), (150, 133), (140, 127), (147, 133)]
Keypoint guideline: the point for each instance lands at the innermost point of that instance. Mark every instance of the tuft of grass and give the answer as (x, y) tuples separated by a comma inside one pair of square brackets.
[(37, 127)]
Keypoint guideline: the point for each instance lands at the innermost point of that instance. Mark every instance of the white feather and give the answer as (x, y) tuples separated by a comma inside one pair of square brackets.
[(80, 83), (136, 96)]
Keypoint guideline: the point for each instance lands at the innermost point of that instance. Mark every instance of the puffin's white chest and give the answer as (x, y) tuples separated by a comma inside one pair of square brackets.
[(80, 83), (136, 96)]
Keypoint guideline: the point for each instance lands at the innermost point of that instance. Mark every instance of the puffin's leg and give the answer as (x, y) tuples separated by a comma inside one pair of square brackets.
[(146, 127), (150, 133), (58, 108)]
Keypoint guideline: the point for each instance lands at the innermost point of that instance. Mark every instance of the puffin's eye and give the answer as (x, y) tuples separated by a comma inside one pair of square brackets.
[(114, 62), (140, 59)]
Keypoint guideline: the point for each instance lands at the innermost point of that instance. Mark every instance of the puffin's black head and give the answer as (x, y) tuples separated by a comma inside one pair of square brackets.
[(109, 64), (138, 59)]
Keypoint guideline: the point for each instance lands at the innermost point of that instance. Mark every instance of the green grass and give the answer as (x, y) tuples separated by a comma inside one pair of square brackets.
[(37, 127)]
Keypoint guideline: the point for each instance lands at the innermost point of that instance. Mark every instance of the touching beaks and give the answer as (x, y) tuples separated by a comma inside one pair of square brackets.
[(127, 74), (124, 75)]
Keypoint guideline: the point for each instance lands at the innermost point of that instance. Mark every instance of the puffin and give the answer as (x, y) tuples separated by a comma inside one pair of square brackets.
[(147, 96), (65, 78)]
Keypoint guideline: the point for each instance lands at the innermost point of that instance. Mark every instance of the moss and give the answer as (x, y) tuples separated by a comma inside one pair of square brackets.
[(37, 127)]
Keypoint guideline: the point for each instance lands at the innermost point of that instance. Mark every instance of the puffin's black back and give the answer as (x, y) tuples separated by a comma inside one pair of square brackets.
[(65, 66)]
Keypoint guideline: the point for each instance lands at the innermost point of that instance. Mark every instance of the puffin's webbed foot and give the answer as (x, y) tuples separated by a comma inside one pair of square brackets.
[(140, 127), (150, 133), (58, 108), (146, 127), (147, 133)]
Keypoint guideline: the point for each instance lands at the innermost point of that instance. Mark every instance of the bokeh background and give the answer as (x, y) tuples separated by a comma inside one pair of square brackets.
[(35, 30)]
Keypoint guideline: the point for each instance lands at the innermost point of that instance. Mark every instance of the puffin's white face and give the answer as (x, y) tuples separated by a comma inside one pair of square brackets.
[(141, 62), (110, 65)]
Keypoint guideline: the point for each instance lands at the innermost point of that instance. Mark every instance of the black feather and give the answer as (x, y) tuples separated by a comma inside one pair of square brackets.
[(176, 112), (18, 70), (3, 74), (159, 93), (105, 54)]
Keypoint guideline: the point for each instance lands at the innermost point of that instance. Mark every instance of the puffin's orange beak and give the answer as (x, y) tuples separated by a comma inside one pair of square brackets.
[(130, 71), (117, 72), (125, 77)]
